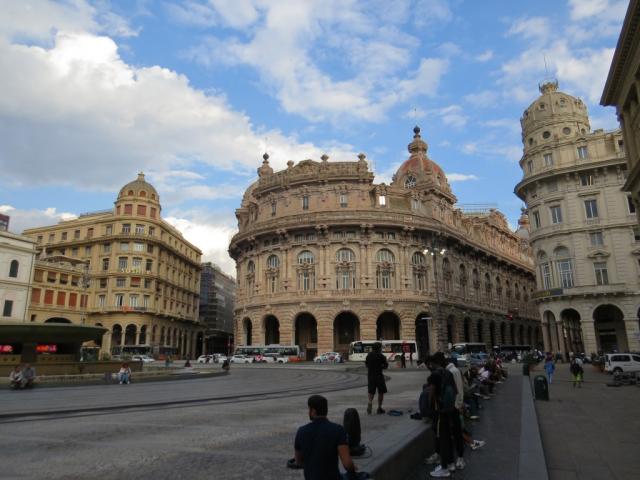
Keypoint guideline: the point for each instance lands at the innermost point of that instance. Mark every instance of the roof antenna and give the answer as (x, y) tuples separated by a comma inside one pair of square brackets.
[(549, 84), (546, 69)]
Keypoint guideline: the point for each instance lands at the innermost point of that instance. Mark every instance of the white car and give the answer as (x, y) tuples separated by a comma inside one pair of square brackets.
[(621, 362), (219, 358), (143, 358), (241, 359), (274, 358), (328, 357), (205, 359)]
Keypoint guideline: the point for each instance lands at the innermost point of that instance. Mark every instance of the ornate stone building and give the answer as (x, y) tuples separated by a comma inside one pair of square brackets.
[(583, 229), (326, 257), (17, 257), (143, 277)]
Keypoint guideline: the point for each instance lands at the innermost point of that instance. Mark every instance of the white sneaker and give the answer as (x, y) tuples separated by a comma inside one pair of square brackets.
[(460, 463), (476, 444), (434, 458), (440, 472), (451, 467)]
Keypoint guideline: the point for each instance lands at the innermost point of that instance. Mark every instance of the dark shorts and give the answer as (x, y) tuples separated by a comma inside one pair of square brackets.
[(377, 384)]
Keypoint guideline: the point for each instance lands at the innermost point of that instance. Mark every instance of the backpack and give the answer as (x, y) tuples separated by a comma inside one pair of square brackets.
[(575, 368), (424, 404), (448, 391)]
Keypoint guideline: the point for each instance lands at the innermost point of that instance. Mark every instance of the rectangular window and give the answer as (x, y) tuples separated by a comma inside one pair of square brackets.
[(382, 200), (64, 278), (596, 239), (566, 274), (556, 214), (52, 237), (152, 212), (138, 247), (108, 230), (83, 301), (48, 297), (139, 229), (103, 283), (135, 282), (344, 200), (39, 238), (105, 264), (124, 246), (149, 248), (126, 228), (602, 277), (152, 231), (87, 251), (147, 283), (582, 153), (121, 282), (133, 300), (141, 210), (136, 263), (128, 209), (76, 234), (548, 159), (74, 252), (73, 299), (636, 234), (305, 203), (8, 307), (106, 248), (591, 208), (123, 263), (631, 205), (119, 299), (145, 301), (530, 166), (536, 219), (62, 297), (35, 295), (545, 268), (102, 300), (273, 209), (149, 266), (415, 204), (90, 233), (64, 236), (586, 179)]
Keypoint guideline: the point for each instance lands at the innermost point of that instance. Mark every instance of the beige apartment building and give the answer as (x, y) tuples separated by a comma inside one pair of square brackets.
[(622, 90), (17, 257), (325, 256), (584, 233), (125, 269)]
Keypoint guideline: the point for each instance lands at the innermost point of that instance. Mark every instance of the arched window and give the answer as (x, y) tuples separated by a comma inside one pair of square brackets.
[(385, 271), (273, 273), (345, 269), (476, 282), (305, 257), (251, 267), (13, 269), (546, 272), (462, 279), (498, 287), (251, 277), (446, 275), (306, 271), (418, 263), (143, 193), (487, 286)]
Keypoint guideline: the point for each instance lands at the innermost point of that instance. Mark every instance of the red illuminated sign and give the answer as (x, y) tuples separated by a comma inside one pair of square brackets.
[(46, 348), (6, 348)]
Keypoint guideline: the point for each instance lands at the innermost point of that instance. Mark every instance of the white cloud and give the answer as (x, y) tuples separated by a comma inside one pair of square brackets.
[(503, 123), (484, 99), (432, 12), (453, 116), (598, 9), (460, 177), (537, 28), (484, 56), (493, 150), (23, 219), (449, 49)]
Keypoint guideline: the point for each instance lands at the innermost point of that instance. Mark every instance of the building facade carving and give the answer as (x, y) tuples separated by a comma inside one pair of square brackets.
[(325, 256), (142, 278), (584, 235)]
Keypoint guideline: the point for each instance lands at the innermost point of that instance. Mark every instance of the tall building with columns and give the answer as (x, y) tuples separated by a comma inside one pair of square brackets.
[(584, 234), (325, 256), (124, 269)]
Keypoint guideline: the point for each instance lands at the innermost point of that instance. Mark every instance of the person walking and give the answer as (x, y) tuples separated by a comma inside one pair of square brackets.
[(320, 443), (456, 419), (577, 372), (376, 362), (549, 367)]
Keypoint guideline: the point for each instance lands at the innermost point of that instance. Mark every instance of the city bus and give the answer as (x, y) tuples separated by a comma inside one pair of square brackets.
[(290, 352), (392, 349)]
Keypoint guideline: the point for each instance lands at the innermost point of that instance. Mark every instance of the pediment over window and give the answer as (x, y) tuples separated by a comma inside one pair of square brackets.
[(599, 254)]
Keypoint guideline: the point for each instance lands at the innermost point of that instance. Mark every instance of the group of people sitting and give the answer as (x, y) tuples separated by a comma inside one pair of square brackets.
[(448, 398), (22, 377)]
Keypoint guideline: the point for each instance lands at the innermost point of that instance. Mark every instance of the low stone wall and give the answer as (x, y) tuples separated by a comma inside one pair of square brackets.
[(72, 368)]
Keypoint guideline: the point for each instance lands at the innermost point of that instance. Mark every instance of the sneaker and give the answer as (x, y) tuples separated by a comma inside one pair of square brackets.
[(380, 410), (434, 458), (369, 409), (440, 472), (451, 467), (474, 417), (476, 444), (460, 464)]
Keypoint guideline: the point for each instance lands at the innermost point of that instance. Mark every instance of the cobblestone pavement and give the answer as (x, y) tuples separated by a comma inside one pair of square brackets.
[(592, 432), (499, 426), (248, 437)]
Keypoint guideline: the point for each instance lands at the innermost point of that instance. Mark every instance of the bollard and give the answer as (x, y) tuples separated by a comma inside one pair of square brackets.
[(525, 369), (541, 388)]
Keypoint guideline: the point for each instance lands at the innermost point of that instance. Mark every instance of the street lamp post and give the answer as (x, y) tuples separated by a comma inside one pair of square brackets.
[(435, 252)]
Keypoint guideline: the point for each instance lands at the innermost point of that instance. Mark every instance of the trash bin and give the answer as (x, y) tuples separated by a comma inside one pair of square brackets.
[(541, 388), (525, 369)]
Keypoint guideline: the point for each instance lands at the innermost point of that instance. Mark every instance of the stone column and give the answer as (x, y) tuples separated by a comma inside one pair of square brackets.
[(633, 334), (589, 336)]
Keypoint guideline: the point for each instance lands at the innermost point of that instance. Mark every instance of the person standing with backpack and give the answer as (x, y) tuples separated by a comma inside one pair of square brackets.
[(577, 371), (443, 392), (376, 362)]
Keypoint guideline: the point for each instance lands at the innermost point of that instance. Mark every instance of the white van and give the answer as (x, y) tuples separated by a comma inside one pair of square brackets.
[(621, 362)]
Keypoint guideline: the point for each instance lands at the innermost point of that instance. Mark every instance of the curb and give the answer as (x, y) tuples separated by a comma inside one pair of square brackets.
[(532, 463)]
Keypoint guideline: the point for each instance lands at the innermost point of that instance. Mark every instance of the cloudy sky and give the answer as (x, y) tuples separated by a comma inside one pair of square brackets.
[(193, 92)]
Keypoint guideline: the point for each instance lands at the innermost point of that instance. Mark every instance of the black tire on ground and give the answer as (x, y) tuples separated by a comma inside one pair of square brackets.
[(351, 423), (617, 370)]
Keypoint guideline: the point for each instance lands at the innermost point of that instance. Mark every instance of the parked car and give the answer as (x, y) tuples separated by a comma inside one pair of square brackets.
[(621, 362), (328, 357), (219, 358), (241, 359), (274, 358), (205, 359), (143, 358)]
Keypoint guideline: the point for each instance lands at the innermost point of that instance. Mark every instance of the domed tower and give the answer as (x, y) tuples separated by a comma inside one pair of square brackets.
[(138, 197), (420, 173)]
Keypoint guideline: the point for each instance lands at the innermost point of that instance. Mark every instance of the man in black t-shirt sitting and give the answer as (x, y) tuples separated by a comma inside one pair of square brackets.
[(376, 362), (319, 444)]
